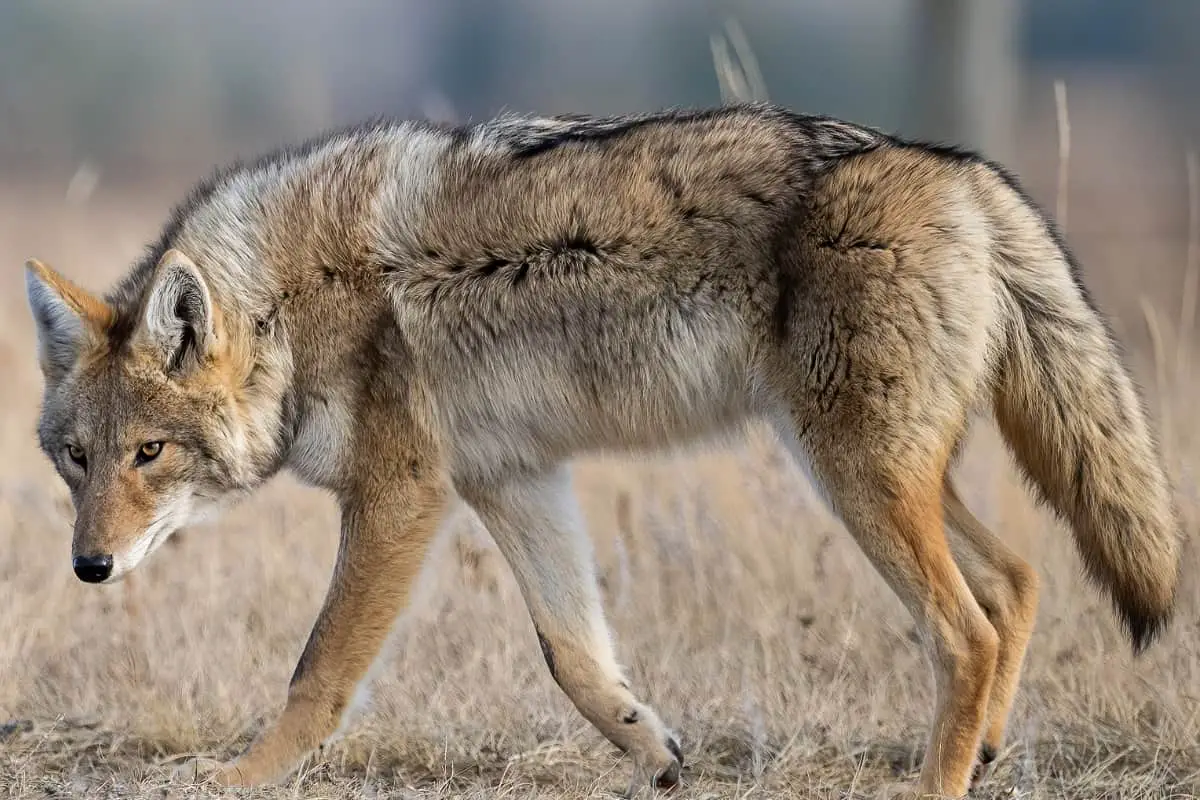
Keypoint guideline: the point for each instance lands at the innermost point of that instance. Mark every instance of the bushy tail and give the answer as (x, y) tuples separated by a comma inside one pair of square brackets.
[(1070, 411)]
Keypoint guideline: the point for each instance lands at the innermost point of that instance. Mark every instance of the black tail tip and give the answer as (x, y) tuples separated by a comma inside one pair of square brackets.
[(1144, 628)]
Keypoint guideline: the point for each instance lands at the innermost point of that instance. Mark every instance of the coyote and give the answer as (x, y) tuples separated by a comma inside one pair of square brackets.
[(421, 318)]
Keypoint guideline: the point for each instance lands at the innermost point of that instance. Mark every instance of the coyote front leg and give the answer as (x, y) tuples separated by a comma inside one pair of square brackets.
[(388, 522), (537, 526)]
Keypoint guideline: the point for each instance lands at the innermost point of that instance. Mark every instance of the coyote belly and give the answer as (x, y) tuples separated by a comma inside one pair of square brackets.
[(407, 314)]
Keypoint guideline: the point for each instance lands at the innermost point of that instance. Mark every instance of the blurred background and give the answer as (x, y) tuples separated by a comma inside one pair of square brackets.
[(98, 98), (132, 83), (137, 81)]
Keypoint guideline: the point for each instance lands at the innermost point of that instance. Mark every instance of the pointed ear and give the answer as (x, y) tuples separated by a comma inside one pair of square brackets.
[(66, 315), (178, 321)]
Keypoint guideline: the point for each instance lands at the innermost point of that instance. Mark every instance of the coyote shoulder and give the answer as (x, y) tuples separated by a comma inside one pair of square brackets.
[(416, 317)]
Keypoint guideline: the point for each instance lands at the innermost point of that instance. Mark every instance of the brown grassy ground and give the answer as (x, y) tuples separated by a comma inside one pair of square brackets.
[(744, 612)]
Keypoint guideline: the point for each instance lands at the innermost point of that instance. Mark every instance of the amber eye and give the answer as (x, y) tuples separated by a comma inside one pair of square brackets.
[(76, 454), (148, 452)]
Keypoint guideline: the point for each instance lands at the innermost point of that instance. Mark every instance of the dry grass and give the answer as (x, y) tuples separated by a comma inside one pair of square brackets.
[(744, 612)]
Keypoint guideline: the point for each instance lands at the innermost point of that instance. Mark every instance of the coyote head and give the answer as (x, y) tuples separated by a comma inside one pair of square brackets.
[(139, 410)]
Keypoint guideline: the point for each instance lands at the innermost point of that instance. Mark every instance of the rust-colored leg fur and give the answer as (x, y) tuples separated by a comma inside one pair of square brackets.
[(1006, 588), (892, 504), (388, 523), (537, 526)]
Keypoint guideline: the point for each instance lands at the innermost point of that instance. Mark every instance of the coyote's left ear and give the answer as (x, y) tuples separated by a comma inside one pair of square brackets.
[(67, 317), (178, 318)]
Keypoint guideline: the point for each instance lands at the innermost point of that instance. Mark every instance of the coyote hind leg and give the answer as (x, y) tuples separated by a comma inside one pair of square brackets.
[(889, 495), (537, 527), (1006, 588)]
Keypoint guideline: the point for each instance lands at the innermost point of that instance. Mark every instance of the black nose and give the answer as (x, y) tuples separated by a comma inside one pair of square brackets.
[(93, 569)]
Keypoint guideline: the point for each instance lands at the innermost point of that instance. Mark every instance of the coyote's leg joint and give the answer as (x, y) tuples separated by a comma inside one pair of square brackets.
[(1006, 588), (387, 526), (893, 508), (537, 527)]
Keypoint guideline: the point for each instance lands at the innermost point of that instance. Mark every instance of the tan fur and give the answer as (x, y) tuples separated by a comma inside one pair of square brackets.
[(1006, 588), (411, 316), (83, 303)]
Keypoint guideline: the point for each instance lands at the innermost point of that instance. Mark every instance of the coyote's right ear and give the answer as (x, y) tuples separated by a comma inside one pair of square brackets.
[(66, 315), (178, 319)]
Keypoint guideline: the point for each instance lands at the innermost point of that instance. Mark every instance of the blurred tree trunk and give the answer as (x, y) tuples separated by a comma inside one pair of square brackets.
[(968, 71)]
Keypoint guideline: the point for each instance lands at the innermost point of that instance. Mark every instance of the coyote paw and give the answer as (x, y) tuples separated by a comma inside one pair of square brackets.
[(207, 770), (665, 777), (668, 776)]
